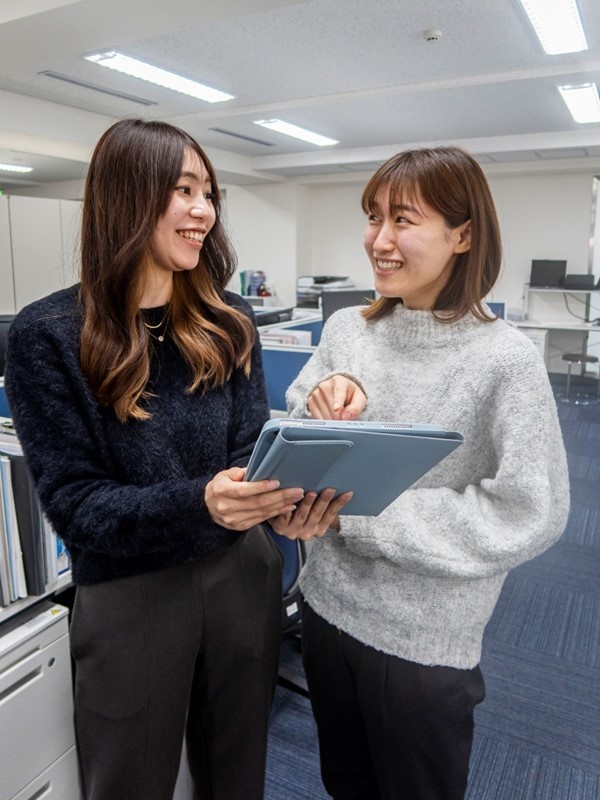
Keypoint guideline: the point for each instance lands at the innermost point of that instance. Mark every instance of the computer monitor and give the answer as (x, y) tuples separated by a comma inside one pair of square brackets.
[(334, 299), (5, 320), (548, 273)]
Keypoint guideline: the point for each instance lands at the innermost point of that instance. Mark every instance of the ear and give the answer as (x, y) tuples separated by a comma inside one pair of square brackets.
[(462, 237)]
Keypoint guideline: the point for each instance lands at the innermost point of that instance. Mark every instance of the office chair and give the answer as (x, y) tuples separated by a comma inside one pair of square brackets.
[(294, 556)]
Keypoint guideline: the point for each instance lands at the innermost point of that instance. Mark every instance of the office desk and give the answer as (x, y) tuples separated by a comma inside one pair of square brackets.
[(583, 328)]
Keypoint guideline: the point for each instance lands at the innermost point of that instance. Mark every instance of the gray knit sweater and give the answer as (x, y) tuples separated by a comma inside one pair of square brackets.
[(421, 580)]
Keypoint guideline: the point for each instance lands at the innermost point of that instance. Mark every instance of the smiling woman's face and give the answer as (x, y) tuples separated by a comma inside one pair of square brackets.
[(190, 215), (412, 250)]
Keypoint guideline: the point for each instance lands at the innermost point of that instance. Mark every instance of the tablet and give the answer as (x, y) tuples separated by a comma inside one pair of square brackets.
[(377, 461)]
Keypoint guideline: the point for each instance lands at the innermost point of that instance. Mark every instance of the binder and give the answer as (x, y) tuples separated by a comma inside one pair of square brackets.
[(5, 590), (29, 521), (18, 587), (377, 461)]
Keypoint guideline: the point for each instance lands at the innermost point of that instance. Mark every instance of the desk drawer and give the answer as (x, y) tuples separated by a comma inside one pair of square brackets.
[(58, 782), (36, 712)]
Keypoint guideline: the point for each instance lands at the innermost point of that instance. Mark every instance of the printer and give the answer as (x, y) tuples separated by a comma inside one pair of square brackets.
[(310, 287)]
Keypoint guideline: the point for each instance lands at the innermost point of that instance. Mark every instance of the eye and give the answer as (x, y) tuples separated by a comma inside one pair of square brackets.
[(183, 189), (373, 218), (401, 220), (210, 196)]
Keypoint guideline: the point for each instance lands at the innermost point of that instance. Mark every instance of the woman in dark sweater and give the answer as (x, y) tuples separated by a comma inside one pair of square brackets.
[(137, 396)]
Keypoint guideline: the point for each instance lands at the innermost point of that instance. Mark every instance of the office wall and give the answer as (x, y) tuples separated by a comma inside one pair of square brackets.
[(336, 231), (542, 216), (262, 223)]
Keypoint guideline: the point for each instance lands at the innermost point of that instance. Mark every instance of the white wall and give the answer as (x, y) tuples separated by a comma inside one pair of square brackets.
[(541, 216), (336, 233), (262, 224)]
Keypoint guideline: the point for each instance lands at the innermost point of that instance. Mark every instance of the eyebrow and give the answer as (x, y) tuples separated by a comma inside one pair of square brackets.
[(404, 207), (192, 175), (397, 207)]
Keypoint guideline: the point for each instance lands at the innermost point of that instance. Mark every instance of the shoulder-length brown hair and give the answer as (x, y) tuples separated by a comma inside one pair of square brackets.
[(451, 182), (133, 172)]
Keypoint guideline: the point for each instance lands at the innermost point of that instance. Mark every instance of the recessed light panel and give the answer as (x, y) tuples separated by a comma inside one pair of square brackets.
[(557, 24), (296, 132), (14, 168), (582, 101), (158, 76)]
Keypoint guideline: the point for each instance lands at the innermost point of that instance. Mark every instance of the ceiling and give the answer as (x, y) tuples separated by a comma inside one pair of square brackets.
[(361, 73)]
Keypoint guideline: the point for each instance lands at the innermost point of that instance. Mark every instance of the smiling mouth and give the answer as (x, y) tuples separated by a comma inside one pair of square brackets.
[(389, 266), (192, 236)]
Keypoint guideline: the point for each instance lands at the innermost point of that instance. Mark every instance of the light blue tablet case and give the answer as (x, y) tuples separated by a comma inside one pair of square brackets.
[(375, 460)]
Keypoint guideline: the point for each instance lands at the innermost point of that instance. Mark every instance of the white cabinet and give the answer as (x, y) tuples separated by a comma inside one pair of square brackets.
[(37, 740), (43, 256), (39, 248)]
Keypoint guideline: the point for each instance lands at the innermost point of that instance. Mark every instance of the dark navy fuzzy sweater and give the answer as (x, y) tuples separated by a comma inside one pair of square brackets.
[(125, 498)]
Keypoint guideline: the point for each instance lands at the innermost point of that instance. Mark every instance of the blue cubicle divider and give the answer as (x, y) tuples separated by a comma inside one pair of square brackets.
[(315, 326), (4, 412), (282, 364)]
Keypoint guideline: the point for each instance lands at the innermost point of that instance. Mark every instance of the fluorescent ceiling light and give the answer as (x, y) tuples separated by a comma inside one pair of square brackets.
[(14, 168), (288, 129), (582, 101), (158, 76), (557, 24)]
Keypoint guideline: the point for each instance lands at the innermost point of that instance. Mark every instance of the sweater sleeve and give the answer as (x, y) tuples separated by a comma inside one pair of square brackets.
[(329, 359), (493, 524)]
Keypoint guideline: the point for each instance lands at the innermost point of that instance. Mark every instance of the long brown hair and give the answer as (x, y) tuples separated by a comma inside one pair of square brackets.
[(133, 171), (451, 182)]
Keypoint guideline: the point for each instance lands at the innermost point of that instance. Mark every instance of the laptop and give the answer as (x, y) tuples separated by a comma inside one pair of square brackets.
[(548, 273)]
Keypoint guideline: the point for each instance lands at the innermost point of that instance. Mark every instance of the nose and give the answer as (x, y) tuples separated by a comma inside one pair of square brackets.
[(384, 241), (199, 210)]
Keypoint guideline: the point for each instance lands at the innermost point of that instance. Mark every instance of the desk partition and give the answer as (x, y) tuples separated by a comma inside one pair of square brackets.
[(282, 364)]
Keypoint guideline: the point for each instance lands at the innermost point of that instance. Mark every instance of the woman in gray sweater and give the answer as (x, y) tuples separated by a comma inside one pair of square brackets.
[(397, 604)]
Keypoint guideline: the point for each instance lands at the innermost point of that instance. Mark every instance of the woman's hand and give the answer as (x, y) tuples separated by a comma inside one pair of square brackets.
[(337, 398), (314, 515), (238, 505)]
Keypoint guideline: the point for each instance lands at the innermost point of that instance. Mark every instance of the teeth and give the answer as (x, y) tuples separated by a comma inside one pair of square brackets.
[(193, 235), (389, 266)]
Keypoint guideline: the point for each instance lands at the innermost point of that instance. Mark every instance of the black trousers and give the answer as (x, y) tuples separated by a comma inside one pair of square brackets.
[(388, 729), (199, 642)]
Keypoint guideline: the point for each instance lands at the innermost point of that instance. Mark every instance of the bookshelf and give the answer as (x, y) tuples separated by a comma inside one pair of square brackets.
[(18, 606), (33, 562)]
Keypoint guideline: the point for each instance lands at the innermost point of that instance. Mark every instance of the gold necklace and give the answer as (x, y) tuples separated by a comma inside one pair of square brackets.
[(161, 336)]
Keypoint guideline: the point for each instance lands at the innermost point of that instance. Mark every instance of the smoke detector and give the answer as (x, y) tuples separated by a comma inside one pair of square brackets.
[(432, 34)]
